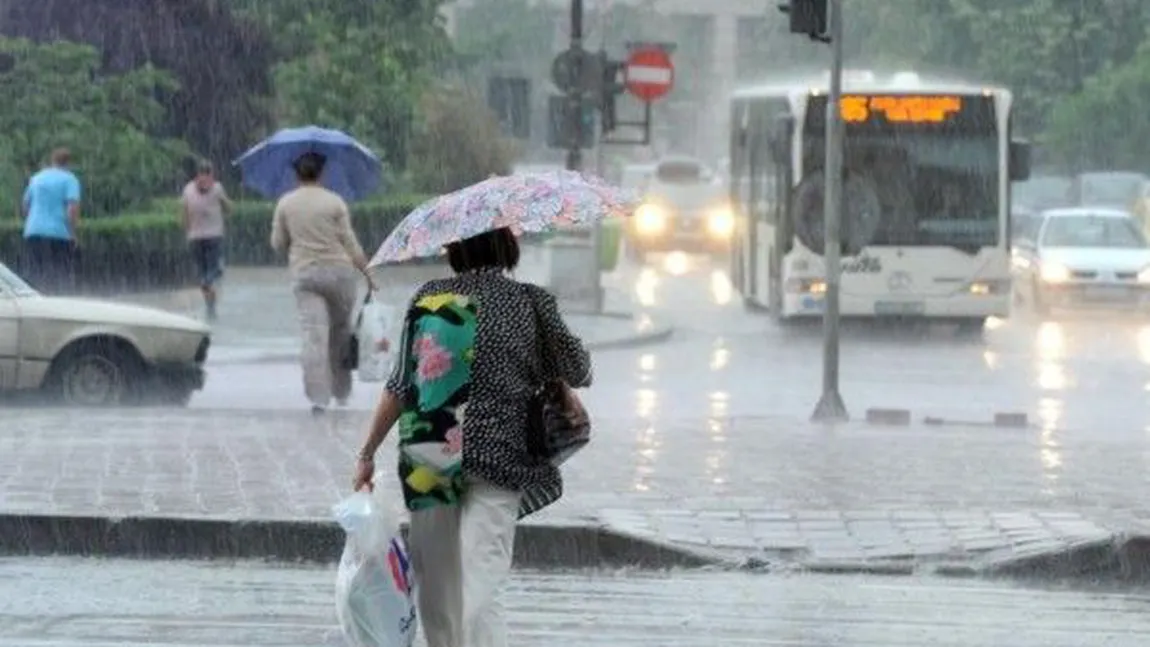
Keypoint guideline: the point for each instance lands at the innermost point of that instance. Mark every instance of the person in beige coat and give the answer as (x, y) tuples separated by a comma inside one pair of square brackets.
[(313, 225)]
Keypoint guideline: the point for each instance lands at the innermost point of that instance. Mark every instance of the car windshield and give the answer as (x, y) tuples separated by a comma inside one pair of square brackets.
[(679, 172), (14, 284), (1112, 189), (1093, 231)]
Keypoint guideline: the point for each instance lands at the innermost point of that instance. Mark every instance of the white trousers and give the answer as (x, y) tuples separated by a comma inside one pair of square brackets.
[(461, 556)]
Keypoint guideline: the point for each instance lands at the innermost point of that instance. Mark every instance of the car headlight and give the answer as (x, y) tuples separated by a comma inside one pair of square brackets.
[(650, 219), (1055, 273), (721, 223)]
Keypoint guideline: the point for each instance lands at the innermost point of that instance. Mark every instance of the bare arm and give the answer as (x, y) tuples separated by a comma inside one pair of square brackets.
[(74, 205), (351, 245), (226, 204), (387, 413), (186, 214), (280, 238), (74, 217), (348, 239)]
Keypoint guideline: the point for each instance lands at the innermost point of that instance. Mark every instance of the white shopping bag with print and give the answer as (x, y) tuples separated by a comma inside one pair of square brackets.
[(374, 587), (376, 344)]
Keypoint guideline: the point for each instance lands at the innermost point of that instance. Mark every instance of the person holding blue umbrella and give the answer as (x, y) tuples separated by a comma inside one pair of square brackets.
[(312, 224), (350, 169), (313, 172)]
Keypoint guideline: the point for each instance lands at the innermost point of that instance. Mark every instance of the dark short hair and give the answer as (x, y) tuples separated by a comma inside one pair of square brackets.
[(61, 157), (309, 166), (494, 249), (204, 167)]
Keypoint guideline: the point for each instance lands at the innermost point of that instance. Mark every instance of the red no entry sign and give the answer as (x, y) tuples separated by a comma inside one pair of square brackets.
[(649, 74)]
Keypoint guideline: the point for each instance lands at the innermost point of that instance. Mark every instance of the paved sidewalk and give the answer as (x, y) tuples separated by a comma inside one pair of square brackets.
[(738, 489), (72, 602), (258, 318)]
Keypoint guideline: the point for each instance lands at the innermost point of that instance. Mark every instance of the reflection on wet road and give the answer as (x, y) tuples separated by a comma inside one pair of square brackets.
[(1075, 374)]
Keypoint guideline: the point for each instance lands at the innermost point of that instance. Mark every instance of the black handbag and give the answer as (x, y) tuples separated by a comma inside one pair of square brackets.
[(558, 424), (349, 357)]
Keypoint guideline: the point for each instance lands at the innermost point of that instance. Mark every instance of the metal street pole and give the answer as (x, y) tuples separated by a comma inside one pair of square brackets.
[(600, 163), (575, 90), (831, 407)]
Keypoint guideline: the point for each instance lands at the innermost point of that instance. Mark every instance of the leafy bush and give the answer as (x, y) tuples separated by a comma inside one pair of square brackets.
[(458, 143), (147, 250), (55, 96)]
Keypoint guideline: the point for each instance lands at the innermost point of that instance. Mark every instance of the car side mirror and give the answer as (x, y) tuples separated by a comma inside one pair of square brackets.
[(1019, 162)]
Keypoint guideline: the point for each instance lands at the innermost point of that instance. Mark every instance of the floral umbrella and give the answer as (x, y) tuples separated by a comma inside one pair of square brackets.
[(525, 202)]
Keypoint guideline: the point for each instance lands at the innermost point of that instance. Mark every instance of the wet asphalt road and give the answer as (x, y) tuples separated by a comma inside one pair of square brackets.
[(1074, 374), (74, 602)]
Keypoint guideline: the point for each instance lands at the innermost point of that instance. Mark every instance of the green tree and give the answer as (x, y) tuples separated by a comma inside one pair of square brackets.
[(222, 62), (1104, 125), (357, 65), (56, 97), (458, 142), (1043, 50)]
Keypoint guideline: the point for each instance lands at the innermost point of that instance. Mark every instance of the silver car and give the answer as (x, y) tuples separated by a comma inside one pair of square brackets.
[(1082, 256)]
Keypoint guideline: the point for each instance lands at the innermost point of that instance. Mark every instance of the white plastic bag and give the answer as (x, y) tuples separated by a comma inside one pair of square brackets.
[(374, 587), (376, 323)]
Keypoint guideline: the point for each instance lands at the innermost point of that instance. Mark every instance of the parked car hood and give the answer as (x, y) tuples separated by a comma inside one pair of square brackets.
[(106, 312), (1098, 258)]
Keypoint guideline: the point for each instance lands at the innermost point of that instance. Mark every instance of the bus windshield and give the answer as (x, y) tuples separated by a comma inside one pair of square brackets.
[(932, 162)]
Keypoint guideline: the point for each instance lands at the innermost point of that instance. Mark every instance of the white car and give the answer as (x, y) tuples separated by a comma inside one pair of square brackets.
[(1082, 256), (685, 207), (95, 353)]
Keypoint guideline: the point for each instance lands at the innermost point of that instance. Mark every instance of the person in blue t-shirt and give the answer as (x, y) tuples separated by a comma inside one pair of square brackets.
[(51, 215)]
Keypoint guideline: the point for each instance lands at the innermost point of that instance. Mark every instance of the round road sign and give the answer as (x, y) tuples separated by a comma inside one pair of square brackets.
[(649, 74)]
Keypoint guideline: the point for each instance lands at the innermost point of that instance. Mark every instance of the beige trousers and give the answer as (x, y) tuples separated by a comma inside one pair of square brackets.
[(325, 299), (461, 556)]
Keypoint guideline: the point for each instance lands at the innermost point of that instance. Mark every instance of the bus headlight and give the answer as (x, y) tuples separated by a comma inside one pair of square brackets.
[(988, 287), (1055, 273), (721, 223), (1144, 275), (650, 219)]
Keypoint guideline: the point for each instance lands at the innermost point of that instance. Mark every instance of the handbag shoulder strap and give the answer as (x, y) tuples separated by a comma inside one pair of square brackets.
[(542, 342)]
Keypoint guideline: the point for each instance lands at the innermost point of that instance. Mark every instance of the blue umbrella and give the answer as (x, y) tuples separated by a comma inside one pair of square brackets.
[(352, 170)]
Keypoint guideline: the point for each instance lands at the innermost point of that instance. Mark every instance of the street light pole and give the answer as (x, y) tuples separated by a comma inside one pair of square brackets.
[(831, 407)]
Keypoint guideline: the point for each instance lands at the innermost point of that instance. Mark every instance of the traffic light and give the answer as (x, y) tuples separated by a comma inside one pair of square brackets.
[(611, 87), (558, 126), (808, 17)]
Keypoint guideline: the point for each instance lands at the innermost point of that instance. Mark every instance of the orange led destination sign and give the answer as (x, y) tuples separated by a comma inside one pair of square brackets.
[(909, 109)]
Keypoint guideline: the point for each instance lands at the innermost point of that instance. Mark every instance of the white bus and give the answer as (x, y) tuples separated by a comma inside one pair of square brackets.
[(926, 202)]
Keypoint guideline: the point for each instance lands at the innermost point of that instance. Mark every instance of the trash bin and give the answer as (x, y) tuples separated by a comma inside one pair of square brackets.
[(610, 235)]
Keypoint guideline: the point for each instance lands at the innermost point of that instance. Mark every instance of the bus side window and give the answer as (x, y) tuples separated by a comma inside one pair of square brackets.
[(762, 169)]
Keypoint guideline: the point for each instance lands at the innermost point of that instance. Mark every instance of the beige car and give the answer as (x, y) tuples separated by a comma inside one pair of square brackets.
[(96, 353)]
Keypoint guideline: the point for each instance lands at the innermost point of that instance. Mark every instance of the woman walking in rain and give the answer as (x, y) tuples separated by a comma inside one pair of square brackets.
[(476, 348), (313, 225), (205, 204)]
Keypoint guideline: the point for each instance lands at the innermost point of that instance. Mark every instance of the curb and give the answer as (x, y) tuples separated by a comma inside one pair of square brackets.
[(537, 547), (1118, 558), (1109, 559)]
